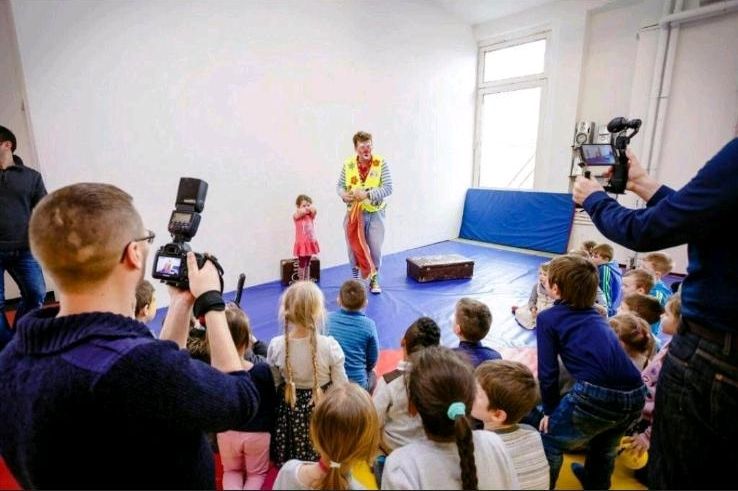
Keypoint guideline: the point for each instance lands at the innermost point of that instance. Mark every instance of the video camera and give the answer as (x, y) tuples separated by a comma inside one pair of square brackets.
[(611, 154), (170, 261)]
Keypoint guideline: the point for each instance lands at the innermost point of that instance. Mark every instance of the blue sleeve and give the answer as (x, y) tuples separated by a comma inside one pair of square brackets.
[(548, 364), (372, 348), (157, 381), (672, 217)]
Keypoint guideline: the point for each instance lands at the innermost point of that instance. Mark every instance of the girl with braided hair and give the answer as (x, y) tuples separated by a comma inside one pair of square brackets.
[(441, 389), (345, 432), (304, 363)]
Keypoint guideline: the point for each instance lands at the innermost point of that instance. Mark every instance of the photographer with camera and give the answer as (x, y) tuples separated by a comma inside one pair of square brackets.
[(694, 438), (89, 398)]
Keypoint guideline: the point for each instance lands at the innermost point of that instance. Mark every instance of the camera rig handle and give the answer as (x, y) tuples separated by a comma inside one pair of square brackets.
[(239, 289)]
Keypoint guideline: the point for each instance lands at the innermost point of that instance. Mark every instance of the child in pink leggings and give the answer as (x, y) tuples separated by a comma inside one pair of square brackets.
[(244, 452)]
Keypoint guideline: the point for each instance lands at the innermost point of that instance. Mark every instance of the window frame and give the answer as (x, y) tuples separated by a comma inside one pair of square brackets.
[(509, 85)]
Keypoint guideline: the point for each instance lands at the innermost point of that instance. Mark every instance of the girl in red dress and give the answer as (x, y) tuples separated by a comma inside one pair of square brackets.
[(306, 244)]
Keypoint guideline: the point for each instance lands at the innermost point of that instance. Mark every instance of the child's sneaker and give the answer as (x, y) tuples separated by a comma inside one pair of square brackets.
[(374, 284)]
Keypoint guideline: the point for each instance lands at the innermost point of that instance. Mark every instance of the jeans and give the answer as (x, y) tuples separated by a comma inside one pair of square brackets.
[(694, 441), (374, 233), (26, 272), (595, 417)]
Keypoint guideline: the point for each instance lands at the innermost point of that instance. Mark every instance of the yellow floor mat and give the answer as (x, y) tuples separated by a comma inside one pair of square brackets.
[(622, 477)]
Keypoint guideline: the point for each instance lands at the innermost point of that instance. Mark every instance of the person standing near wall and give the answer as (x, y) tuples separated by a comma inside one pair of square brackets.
[(364, 183), (21, 189), (694, 432)]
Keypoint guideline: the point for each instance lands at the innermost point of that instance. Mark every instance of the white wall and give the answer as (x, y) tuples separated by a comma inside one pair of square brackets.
[(260, 99)]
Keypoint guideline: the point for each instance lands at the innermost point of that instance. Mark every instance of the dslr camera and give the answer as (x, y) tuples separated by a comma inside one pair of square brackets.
[(611, 154), (170, 261)]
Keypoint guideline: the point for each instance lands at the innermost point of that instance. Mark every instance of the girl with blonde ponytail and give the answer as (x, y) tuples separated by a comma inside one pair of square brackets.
[(304, 363), (345, 430), (441, 389)]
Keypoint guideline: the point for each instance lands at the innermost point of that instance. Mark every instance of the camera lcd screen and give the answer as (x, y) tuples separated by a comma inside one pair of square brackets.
[(180, 217), (168, 266), (598, 154)]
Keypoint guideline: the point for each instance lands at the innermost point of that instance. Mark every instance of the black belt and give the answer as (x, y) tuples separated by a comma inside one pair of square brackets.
[(725, 339)]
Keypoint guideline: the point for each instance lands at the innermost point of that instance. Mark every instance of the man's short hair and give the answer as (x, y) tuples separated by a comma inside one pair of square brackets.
[(576, 278), (361, 136), (7, 136), (510, 386), (604, 250), (474, 319), (144, 295), (660, 261), (79, 232), (353, 295)]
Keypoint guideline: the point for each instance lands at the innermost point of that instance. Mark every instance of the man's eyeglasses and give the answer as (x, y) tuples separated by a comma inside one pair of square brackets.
[(148, 238)]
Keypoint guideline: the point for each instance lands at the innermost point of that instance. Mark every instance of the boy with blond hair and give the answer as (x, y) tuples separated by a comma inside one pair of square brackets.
[(611, 277), (659, 264)]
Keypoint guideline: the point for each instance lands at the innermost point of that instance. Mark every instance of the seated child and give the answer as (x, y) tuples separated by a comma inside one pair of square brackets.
[(637, 280), (610, 276), (472, 321), (145, 302), (659, 264), (506, 392), (608, 393), (345, 432), (398, 426), (538, 301), (356, 333), (441, 389), (646, 307), (640, 441), (635, 337), (245, 451)]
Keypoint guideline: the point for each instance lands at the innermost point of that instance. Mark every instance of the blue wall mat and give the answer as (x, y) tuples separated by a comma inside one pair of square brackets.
[(528, 219)]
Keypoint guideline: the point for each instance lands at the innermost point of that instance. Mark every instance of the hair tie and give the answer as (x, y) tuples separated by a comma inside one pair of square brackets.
[(331, 465), (456, 409)]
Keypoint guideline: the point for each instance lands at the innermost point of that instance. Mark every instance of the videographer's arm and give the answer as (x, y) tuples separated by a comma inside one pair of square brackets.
[(223, 354), (177, 322), (672, 217)]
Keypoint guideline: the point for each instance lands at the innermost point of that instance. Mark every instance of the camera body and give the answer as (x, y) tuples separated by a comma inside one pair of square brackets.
[(170, 261), (612, 154)]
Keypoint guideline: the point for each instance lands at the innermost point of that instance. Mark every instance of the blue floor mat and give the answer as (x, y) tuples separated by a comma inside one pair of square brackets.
[(501, 279)]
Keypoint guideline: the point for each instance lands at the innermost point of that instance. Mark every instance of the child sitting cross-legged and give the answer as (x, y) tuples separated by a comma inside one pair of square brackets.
[(472, 321), (397, 425), (356, 333), (441, 389), (506, 392)]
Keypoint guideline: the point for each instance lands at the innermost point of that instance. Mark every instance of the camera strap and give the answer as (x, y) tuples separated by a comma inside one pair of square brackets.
[(210, 300)]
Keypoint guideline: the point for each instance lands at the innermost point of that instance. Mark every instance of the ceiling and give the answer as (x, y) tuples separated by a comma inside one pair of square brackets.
[(478, 11)]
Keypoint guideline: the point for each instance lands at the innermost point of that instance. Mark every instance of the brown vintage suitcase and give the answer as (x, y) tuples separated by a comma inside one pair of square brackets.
[(288, 267), (440, 267)]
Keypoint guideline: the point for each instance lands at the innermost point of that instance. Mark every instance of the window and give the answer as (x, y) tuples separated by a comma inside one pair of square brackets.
[(510, 94)]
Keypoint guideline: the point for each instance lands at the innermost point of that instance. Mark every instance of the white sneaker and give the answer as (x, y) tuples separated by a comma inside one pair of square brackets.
[(374, 285)]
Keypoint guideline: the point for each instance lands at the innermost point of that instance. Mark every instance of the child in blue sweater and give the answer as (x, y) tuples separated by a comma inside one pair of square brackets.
[(611, 277), (608, 392), (356, 333)]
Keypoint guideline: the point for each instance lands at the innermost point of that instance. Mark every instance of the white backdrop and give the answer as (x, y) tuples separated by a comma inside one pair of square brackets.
[(260, 99)]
